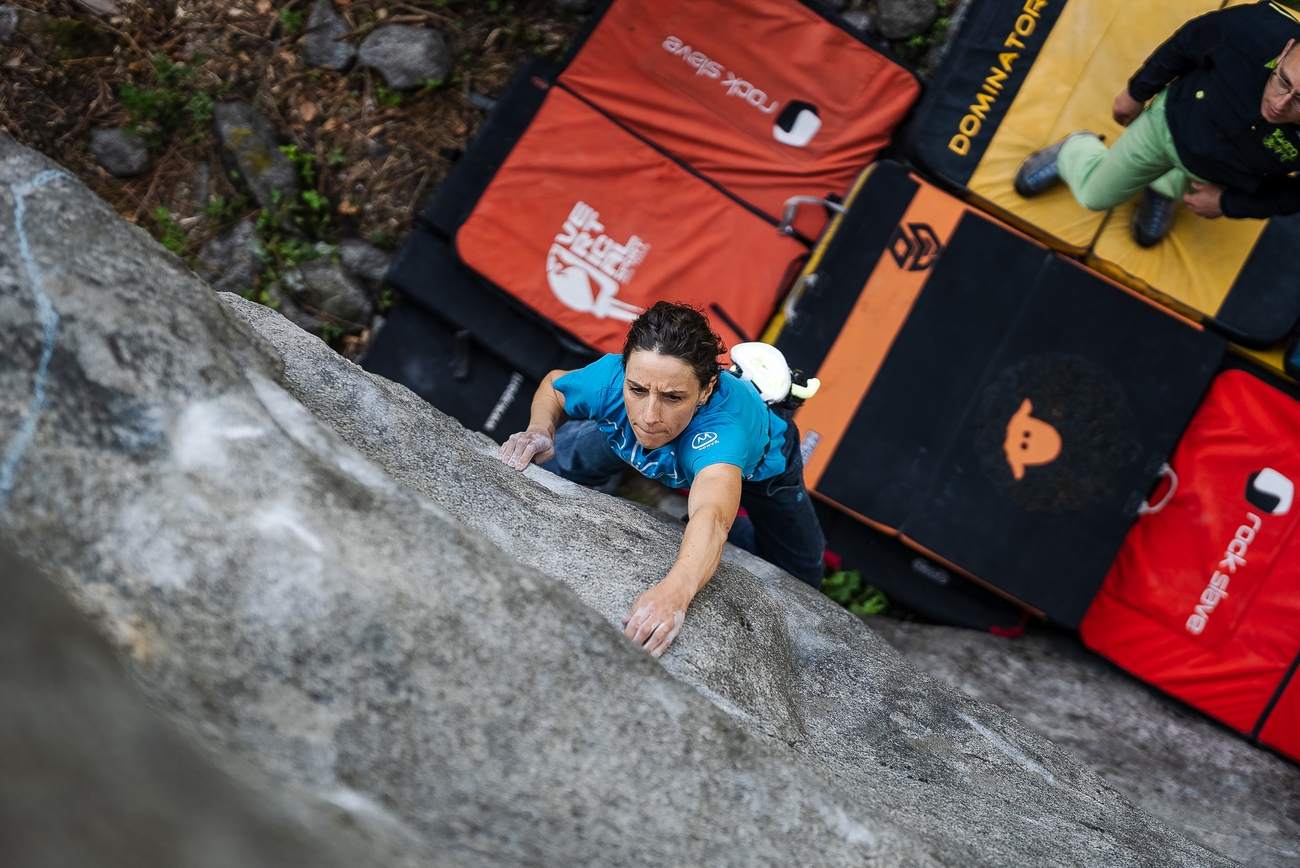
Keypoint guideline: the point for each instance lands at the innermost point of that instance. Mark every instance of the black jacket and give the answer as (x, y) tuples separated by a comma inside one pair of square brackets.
[(1222, 63)]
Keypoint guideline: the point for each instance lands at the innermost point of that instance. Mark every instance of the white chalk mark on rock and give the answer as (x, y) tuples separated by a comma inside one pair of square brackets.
[(1009, 750), (202, 432), (49, 320)]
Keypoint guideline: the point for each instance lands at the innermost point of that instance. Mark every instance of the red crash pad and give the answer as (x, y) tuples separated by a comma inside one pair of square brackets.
[(767, 98), (587, 225), (1204, 599)]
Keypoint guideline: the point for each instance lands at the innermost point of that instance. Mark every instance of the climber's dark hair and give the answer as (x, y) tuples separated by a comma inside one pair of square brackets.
[(679, 331)]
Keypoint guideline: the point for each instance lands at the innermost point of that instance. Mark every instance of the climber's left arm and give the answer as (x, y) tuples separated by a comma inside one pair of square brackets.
[(657, 615)]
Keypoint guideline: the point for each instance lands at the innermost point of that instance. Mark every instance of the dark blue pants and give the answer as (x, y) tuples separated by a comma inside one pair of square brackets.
[(782, 527)]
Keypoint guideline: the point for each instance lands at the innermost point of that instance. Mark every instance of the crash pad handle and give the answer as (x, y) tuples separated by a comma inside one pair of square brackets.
[(796, 293), (791, 208), (1165, 471)]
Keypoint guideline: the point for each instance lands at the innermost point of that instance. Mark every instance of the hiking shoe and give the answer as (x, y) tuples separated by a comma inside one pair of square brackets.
[(1153, 218), (1038, 172)]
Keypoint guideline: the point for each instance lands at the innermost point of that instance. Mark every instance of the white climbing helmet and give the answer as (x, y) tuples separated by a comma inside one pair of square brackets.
[(765, 366)]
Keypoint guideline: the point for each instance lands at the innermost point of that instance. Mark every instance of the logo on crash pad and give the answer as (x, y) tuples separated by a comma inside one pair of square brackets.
[(586, 268), (1054, 433), (1030, 442), (915, 246)]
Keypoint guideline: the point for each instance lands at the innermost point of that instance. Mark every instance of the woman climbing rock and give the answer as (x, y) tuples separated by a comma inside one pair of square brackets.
[(665, 408)]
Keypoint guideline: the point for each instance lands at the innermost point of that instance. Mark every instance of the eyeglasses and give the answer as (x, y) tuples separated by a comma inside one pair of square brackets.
[(1280, 85)]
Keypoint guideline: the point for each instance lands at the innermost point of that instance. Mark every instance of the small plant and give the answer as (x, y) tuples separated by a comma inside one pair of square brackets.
[(335, 158), (330, 332), (291, 20), (223, 211), (846, 588), (387, 298), (170, 105), (387, 97), (171, 235)]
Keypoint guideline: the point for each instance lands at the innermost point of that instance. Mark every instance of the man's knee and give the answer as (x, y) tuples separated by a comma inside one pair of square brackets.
[(1093, 199)]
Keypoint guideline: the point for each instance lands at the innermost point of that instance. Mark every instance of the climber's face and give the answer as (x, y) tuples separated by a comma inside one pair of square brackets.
[(661, 394)]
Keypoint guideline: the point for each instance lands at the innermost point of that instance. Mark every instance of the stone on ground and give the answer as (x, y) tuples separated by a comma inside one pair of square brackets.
[(122, 154), (250, 148), (319, 47), (407, 57), (233, 260), (8, 23), (903, 19), (1168, 758), (365, 260), (283, 296), (361, 601), (333, 291), (859, 18)]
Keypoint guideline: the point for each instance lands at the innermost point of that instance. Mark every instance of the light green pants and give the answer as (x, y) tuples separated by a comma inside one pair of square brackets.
[(1102, 178)]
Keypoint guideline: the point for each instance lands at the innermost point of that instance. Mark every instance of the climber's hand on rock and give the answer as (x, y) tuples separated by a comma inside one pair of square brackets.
[(656, 617), (527, 447)]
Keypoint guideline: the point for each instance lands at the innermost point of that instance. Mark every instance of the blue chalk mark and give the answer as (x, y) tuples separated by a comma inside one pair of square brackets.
[(49, 320)]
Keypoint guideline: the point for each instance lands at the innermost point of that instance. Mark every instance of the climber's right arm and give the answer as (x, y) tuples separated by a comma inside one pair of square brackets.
[(537, 444)]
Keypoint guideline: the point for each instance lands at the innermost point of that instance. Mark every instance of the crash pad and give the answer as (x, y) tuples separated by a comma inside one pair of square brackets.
[(913, 582), (1204, 598), (1002, 409), (769, 99), (1024, 75), (448, 367), (587, 225)]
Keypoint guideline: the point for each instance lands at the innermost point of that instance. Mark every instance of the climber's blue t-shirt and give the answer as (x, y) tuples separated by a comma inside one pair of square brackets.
[(733, 427)]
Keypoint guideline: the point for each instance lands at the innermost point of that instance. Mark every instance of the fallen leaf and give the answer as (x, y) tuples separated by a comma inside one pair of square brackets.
[(330, 125), (374, 131), (263, 6), (348, 208), (307, 109)]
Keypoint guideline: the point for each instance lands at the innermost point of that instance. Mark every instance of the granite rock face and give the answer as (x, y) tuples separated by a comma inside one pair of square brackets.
[(355, 596), (90, 775), (319, 46), (122, 154), (784, 662), (1169, 759), (250, 148), (407, 57)]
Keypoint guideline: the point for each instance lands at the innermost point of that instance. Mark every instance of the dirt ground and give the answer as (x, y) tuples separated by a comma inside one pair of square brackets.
[(380, 154)]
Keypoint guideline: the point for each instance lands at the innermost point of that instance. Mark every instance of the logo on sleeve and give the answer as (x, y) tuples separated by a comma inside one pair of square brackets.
[(704, 440)]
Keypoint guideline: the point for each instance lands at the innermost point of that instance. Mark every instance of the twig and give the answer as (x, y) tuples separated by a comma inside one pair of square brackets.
[(419, 189), (153, 184)]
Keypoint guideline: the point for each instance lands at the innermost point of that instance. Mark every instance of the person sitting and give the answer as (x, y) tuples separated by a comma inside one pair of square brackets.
[(665, 408), (1222, 138)]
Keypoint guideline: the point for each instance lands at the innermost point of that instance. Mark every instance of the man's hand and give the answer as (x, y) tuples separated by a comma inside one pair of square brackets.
[(527, 447), (656, 617), (1204, 200), (1126, 109)]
